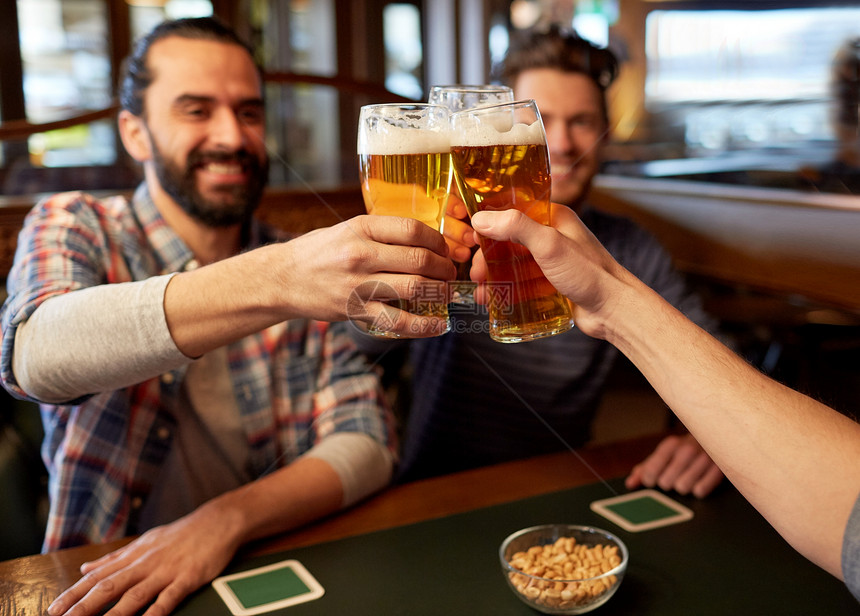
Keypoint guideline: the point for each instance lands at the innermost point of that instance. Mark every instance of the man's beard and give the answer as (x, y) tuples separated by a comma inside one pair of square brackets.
[(239, 201)]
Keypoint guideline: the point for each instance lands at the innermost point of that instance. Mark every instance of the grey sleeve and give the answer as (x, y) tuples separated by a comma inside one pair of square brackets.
[(363, 465), (851, 552), (95, 339)]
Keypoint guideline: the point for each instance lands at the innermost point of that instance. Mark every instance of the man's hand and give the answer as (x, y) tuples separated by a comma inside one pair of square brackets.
[(678, 463), (568, 254), (155, 571), (458, 231), (350, 270)]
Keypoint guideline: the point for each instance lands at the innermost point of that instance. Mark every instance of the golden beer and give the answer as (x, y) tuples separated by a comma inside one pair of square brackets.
[(406, 171), (408, 185), (457, 97), (523, 304)]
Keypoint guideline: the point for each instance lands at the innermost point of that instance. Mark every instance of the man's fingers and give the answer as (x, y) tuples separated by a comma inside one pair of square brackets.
[(511, 225), (400, 232), (692, 472), (456, 207), (97, 584), (91, 594), (679, 463), (161, 595), (386, 318), (460, 238), (709, 481), (167, 600)]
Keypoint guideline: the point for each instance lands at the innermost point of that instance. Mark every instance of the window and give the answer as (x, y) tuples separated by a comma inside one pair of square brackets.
[(146, 15), (303, 119), (747, 78), (64, 53), (66, 70), (404, 55)]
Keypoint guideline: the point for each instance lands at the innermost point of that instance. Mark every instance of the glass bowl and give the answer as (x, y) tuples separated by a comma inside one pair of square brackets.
[(563, 568)]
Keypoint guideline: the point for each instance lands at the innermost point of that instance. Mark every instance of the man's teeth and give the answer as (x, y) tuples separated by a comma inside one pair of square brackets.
[(560, 169), (224, 168)]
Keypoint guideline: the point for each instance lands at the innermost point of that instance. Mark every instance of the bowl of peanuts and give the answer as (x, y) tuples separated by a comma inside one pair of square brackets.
[(563, 568)]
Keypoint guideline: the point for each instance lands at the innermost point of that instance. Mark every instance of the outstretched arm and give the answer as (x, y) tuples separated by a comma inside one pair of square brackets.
[(108, 336), (796, 460)]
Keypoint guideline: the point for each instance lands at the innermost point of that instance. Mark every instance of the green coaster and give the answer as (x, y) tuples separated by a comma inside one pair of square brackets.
[(642, 510), (267, 588)]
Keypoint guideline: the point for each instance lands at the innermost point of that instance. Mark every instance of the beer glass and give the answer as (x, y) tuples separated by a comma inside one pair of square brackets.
[(405, 170), (456, 98), (459, 97), (501, 160)]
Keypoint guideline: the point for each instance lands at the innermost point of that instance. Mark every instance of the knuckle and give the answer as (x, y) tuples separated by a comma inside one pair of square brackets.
[(105, 586), (683, 486), (409, 286), (137, 594), (158, 609), (410, 227), (671, 442), (418, 258), (352, 255)]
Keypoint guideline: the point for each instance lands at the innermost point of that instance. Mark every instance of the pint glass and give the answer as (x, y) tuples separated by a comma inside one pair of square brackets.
[(405, 170), (501, 161), (458, 97)]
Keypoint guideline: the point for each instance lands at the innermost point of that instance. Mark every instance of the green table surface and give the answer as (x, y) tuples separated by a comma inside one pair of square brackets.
[(726, 560)]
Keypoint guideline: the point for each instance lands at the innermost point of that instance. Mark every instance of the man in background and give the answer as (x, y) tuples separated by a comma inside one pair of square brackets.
[(476, 402)]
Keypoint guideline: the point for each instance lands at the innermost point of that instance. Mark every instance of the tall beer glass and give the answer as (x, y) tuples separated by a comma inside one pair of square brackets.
[(501, 161), (458, 97), (405, 170)]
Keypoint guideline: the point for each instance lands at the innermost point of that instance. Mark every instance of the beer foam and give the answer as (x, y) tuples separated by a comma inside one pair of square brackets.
[(498, 133), (396, 140)]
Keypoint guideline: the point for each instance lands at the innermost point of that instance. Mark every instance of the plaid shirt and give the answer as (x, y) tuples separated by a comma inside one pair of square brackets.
[(295, 382)]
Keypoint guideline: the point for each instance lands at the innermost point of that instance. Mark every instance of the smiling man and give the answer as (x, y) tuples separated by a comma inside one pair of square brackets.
[(188, 385)]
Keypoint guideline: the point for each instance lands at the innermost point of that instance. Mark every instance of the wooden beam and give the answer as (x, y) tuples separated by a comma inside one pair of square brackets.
[(12, 76)]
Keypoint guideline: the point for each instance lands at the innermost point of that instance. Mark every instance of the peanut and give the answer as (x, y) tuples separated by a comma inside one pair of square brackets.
[(559, 563)]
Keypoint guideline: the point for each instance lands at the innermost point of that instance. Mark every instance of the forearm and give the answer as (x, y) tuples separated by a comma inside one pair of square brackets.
[(96, 339), (223, 302), (796, 460), (306, 490), (345, 468)]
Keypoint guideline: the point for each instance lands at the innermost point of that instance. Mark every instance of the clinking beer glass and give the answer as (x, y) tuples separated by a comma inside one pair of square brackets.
[(501, 160), (405, 170), (458, 97)]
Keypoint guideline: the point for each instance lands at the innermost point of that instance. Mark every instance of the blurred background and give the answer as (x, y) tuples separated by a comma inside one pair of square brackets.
[(750, 90)]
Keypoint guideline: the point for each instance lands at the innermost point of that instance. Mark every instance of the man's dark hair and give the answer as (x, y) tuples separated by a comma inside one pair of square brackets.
[(136, 76), (561, 49)]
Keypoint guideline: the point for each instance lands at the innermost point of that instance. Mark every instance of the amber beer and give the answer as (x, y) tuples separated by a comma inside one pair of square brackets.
[(405, 170), (408, 185), (457, 97), (501, 164)]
